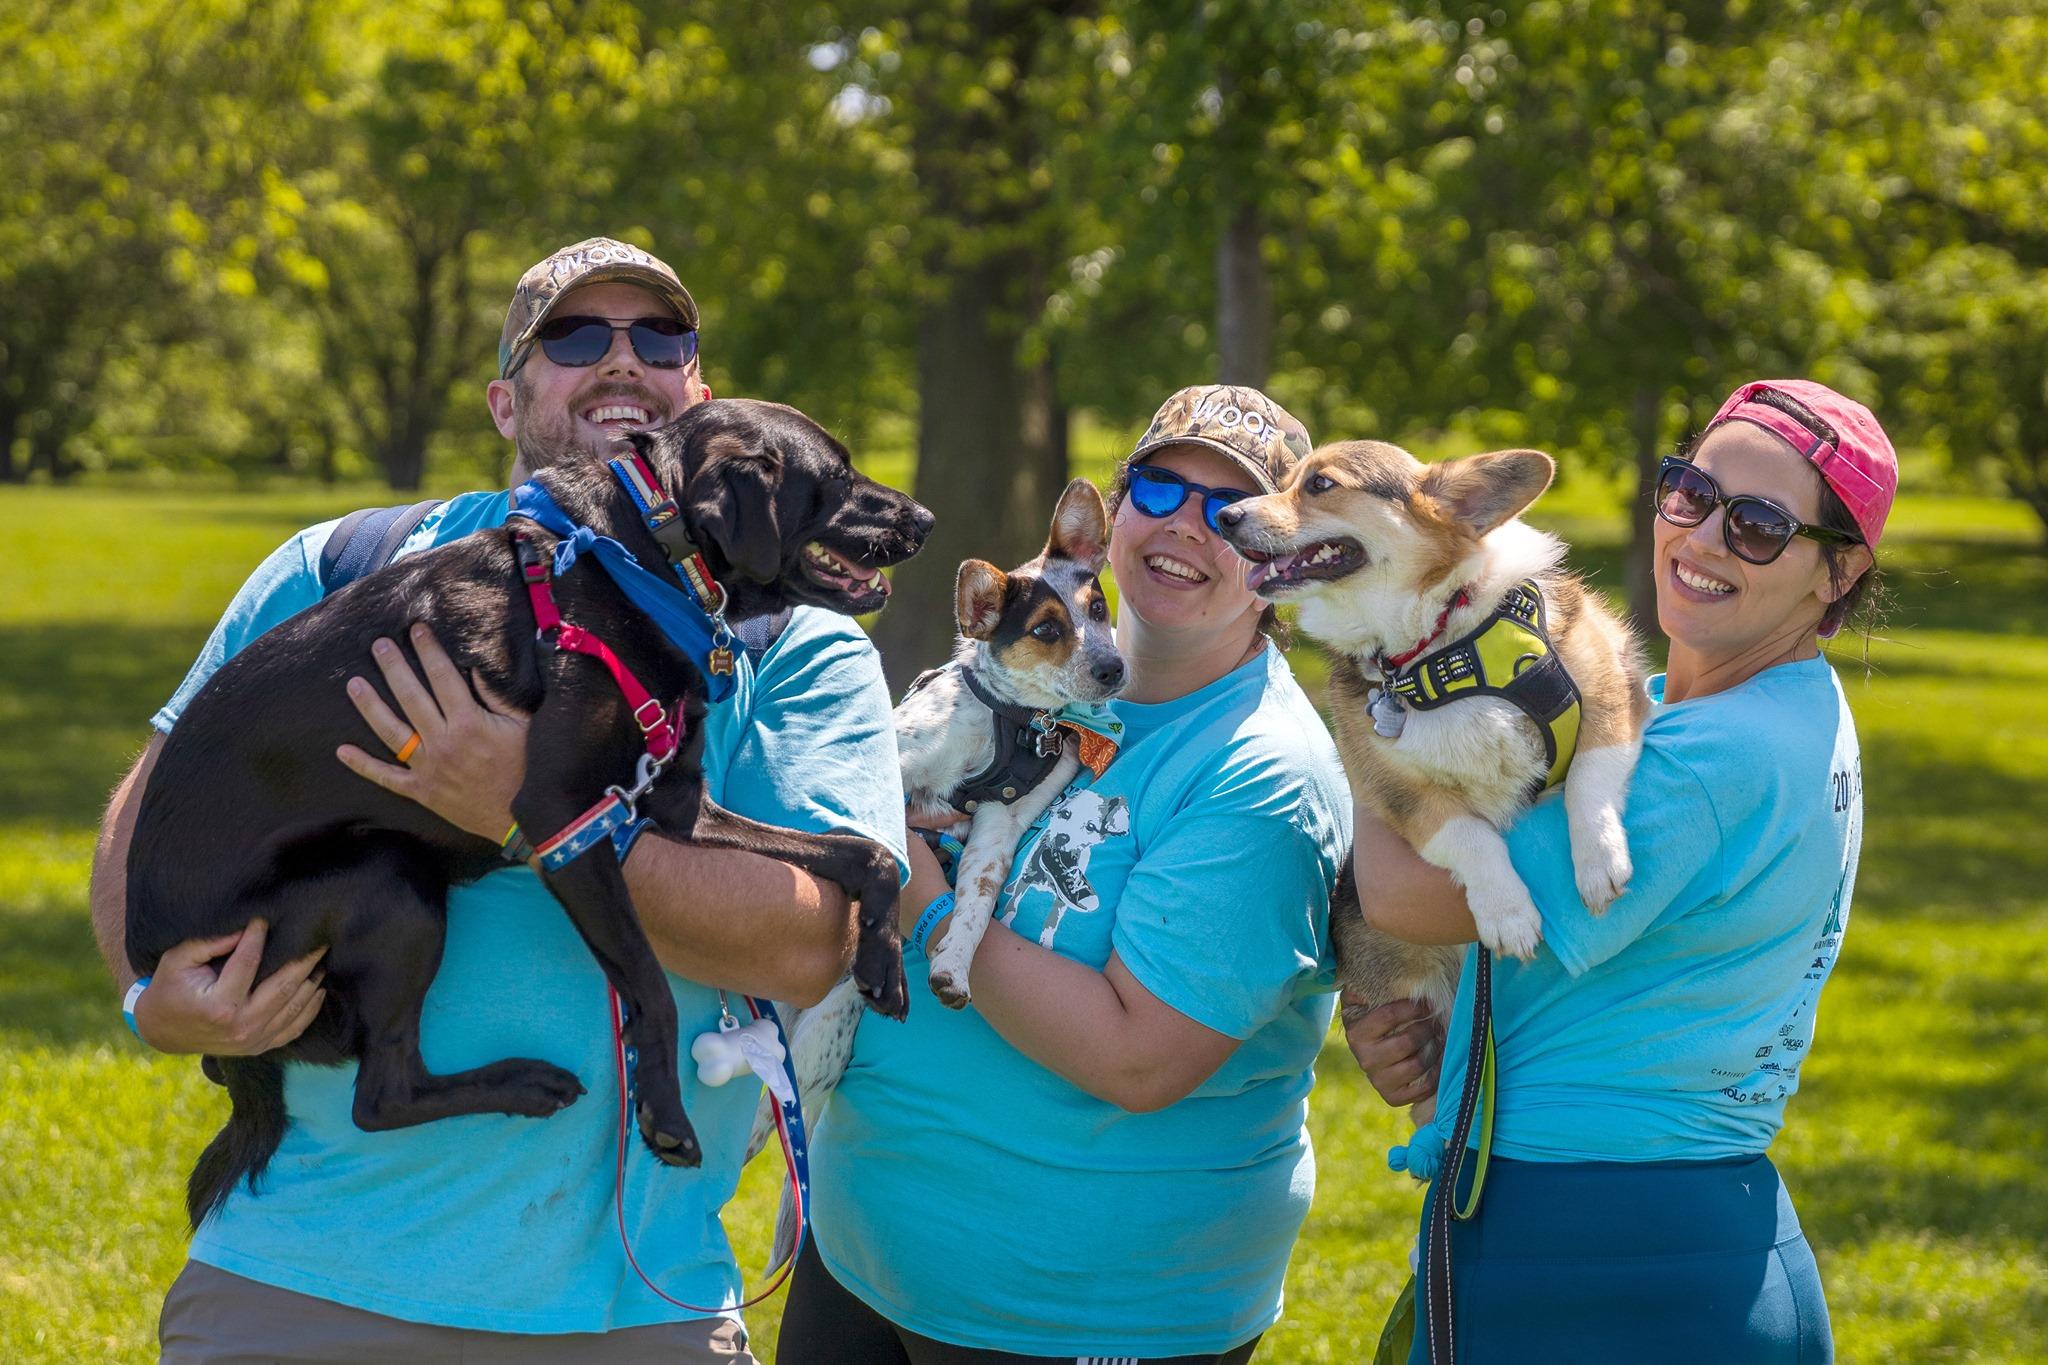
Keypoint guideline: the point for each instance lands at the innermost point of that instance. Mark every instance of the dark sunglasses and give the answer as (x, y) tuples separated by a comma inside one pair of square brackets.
[(576, 341), (1159, 493), (1756, 529)]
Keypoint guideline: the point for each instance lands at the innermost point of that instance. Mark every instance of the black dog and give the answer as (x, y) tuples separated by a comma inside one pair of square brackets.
[(248, 815)]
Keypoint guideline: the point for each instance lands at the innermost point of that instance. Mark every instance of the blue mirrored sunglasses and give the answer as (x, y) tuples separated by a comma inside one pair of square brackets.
[(1159, 493)]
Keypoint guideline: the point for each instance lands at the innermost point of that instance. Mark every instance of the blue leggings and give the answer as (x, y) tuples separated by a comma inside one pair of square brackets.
[(1674, 1262)]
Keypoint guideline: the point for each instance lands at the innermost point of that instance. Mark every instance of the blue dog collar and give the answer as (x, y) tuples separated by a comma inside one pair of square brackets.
[(666, 601)]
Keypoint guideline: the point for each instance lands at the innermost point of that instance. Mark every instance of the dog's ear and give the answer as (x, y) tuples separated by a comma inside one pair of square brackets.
[(733, 505), (1479, 492), (978, 598), (1080, 526)]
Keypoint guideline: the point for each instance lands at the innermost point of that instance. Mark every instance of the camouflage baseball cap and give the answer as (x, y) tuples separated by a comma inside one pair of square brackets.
[(1258, 435), (588, 262)]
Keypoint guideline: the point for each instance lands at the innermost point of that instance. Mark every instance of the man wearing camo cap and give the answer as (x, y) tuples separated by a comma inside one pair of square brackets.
[(490, 1237), (601, 338)]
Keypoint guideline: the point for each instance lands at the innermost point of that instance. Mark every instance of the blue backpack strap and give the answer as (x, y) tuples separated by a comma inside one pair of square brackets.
[(365, 541)]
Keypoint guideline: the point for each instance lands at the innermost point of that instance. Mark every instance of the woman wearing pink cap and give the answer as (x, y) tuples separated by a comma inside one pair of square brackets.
[(1644, 1058)]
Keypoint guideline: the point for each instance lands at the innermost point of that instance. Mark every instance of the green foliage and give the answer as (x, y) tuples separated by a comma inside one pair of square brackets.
[(126, 210), (1912, 1149), (1934, 167), (277, 237)]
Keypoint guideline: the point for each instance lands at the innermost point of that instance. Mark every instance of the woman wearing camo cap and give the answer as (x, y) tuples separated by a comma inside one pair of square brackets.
[(1105, 1155)]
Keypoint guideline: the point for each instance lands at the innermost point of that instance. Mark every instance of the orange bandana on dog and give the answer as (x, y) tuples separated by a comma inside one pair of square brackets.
[(1095, 749)]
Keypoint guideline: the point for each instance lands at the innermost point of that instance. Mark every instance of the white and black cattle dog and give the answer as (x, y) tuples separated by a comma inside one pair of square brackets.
[(978, 737)]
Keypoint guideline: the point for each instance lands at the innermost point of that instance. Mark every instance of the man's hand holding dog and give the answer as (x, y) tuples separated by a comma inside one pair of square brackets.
[(189, 1007), (471, 756)]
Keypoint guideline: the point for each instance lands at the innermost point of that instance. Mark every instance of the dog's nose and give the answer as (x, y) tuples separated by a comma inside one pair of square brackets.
[(1111, 673), (1228, 517)]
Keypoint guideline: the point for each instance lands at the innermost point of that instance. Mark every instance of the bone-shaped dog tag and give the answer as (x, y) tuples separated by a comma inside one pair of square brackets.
[(1389, 717), (738, 1047)]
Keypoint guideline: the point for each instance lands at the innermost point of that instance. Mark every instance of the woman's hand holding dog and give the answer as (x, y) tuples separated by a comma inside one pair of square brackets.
[(1398, 1046), (470, 758), (189, 1007)]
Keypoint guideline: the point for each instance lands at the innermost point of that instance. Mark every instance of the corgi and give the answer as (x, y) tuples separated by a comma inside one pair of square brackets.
[(981, 752), (1471, 673)]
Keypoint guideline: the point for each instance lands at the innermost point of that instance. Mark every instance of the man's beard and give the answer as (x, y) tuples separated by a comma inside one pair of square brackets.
[(556, 436)]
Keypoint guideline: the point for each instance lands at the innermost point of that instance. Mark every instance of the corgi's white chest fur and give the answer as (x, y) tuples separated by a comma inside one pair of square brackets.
[(1483, 746), (1486, 748)]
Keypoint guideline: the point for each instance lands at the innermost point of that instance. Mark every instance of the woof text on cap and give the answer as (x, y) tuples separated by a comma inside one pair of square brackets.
[(1260, 437), (590, 261)]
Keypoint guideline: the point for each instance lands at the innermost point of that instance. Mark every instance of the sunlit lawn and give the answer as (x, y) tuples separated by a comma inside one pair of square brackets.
[(1916, 1149)]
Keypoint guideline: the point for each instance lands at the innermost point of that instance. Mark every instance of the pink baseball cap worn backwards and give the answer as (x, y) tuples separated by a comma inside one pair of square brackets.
[(1839, 435)]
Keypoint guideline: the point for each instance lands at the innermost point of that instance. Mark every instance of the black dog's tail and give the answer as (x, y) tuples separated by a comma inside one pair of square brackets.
[(243, 1148)]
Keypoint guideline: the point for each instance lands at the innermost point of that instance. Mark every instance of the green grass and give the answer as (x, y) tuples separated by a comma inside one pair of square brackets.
[(1915, 1148)]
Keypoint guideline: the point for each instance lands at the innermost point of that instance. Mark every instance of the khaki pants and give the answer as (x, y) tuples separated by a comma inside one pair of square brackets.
[(213, 1318)]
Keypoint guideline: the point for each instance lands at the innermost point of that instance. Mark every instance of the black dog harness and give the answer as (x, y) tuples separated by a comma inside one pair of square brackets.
[(1508, 655), (1028, 744)]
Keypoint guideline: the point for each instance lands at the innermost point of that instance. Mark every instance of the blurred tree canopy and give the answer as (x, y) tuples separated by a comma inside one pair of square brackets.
[(277, 236)]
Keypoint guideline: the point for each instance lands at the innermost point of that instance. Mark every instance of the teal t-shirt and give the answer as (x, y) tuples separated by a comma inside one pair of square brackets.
[(1672, 1027), (506, 1224), (970, 1194)]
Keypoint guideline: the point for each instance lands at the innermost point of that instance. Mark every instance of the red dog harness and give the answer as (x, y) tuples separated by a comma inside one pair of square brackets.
[(659, 730)]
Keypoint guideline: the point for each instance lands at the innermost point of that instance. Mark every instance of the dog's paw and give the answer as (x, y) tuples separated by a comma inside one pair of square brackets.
[(1600, 861), (673, 1141), (1508, 923), (949, 973), (879, 977), (951, 990), (537, 1090), (1602, 879)]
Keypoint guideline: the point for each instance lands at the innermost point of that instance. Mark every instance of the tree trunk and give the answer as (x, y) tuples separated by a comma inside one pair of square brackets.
[(1645, 427), (403, 453), (2034, 493), (46, 450), (10, 425), (403, 456), (991, 457), (1244, 299), (1048, 425), (326, 464)]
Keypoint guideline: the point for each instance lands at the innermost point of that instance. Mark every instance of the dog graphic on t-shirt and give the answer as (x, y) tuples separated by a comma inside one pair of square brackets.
[(1059, 861)]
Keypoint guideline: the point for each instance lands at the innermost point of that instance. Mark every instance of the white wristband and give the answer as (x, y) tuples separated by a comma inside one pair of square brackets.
[(128, 1003)]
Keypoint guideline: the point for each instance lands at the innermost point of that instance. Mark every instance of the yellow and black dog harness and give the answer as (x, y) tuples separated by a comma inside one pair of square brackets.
[(1508, 655)]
